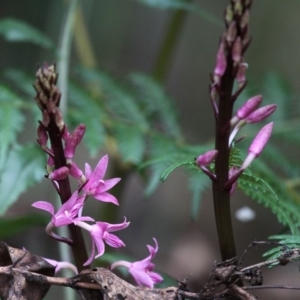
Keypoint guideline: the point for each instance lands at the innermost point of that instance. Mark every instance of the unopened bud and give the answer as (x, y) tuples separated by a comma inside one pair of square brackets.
[(73, 140), (206, 158), (59, 174), (237, 50), (241, 73), (245, 19), (221, 63), (231, 32), (42, 136), (258, 144), (75, 172), (246, 109), (261, 114), (58, 118)]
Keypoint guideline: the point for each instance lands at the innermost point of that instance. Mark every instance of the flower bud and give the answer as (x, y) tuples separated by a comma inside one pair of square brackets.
[(42, 136), (258, 144), (221, 63), (73, 140), (59, 174), (261, 114), (237, 50), (246, 109), (206, 158)]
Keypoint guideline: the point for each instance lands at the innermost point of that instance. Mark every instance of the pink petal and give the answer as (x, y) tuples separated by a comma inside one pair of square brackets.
[(109, 183), (106, 197), (113, 241), (92, 255), (87, 170), (44, 206), (141, 278), (100, 169)]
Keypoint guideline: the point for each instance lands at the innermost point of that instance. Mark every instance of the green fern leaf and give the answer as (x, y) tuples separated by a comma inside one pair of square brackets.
[(259, 190), (130, 142), (11, 121), (23, 167), (17, 31), (155, 102), (118, 101), (198, 182), (171, 168)]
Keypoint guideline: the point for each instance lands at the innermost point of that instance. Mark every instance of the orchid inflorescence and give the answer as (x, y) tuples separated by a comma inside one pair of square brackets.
[(230, 63), (91, 183)]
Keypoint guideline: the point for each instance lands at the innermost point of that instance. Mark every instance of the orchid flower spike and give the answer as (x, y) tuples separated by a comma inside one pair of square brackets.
[(96, 186), (100, 233), (141, 270), (258, 144)]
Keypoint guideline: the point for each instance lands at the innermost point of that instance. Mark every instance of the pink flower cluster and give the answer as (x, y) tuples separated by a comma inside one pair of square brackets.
[(91, 183)]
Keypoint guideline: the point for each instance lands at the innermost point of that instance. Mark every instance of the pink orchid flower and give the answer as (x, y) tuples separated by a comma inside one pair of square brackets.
[(141, 270), (96, 186), (66, 214), (100, 233)]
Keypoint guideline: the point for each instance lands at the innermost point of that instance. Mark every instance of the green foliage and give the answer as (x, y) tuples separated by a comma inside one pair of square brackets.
[(17, 31), (14, 225), (198, 182), (24, 166), (11, 121), (182, 5), (131, 142), (155, 103), (287, 241)]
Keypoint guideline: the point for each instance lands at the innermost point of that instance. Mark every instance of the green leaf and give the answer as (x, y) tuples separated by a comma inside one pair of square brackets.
[(259, 190), (130, 142), (198, 182), (155, 102), (24, 167), (11, 121), (288, 242), (14, 225), (22, 81), (174, 166), (18, 31), (117, 100)]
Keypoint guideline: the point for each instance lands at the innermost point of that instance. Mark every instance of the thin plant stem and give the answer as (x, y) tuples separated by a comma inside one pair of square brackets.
[(166, 52), (64, 51)]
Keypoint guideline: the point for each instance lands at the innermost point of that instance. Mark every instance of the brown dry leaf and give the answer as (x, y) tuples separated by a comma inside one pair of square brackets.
[(15, 285)]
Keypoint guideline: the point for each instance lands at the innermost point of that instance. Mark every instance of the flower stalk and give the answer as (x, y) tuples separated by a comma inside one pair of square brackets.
[(232, 46), (48, 100)]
